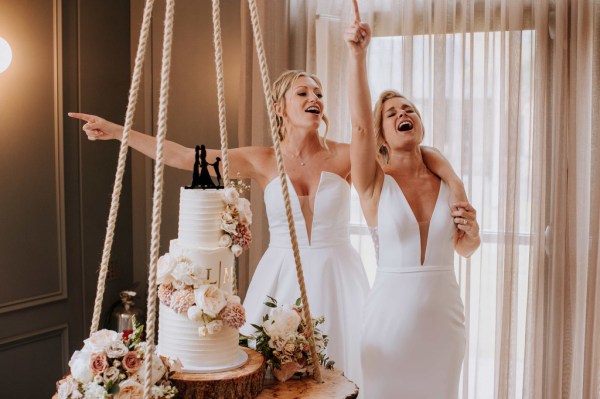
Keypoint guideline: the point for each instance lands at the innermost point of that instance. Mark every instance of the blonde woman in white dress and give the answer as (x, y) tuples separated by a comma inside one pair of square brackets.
[(414, 335), (319, 173)]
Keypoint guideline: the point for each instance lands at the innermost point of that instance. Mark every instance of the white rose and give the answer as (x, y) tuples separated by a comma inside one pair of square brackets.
[(227, 217), (80, 366), (282, 321), (158, 370), (158, 391), (230, 195), (99, 341), (130, 389), (230, 227), (233, 299), (194, 313), (210, 299), (214, 326), (116, 349), (244, 210), (166, 264), (225, 241), (68, 389), (183, 273), (95, 391), (202, 331), (237, 250), (111, 374)]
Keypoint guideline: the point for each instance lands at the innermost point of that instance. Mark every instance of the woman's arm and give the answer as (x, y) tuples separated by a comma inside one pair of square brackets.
[(439, 165), (466, 237), (177, 156), (365, 169)]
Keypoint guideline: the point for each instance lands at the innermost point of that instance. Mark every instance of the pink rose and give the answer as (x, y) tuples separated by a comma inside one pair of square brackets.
[(130, 389), (98, 363), (131, 362)]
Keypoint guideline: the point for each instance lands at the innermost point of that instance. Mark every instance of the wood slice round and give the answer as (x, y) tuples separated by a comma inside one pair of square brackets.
[(245, 382), (334, 386)]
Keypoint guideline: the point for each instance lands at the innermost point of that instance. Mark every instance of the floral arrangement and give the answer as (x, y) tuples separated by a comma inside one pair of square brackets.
[(186, 289), (236, 220), (111, 365), (283, 340)]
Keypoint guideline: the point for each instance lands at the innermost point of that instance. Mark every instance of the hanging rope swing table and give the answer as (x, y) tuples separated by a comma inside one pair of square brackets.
[(247, 381)]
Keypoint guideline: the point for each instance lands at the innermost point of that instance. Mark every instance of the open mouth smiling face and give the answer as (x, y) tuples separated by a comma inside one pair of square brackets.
[(404, 126), (313, 109)]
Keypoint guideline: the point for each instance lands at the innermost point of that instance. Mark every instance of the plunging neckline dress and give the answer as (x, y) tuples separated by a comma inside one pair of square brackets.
[(335, 278), (413, 339)]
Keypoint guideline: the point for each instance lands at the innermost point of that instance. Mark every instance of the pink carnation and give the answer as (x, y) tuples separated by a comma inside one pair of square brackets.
[(165, 291), (242, 236), (182, 300), (233, 315)]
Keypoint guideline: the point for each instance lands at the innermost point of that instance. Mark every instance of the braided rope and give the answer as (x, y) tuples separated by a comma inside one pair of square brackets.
[(234, 289), (220, 88), (158, 188), (262, 59), (114, 206)]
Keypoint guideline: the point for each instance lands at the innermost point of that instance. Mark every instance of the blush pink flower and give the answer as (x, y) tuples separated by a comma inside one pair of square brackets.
[(98, 363), (130, 389), (131, 362), (242, 236), (165, 291), (233, 315), (182, 300)]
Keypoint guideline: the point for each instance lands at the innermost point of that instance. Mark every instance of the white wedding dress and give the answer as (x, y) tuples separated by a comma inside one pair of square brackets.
[(335, 280), (414, 334)]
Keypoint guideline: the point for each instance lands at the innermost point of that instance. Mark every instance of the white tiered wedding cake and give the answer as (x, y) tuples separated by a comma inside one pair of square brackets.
[(199, 316)]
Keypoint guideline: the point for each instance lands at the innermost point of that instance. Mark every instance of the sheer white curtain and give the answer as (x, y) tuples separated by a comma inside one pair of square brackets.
[(510, 92)]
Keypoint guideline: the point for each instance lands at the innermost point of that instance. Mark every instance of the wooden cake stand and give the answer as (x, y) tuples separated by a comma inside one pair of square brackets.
[(245, 382), (334, 386)]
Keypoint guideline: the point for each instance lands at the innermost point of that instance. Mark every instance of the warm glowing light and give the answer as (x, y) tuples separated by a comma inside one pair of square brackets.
[(5, 55)]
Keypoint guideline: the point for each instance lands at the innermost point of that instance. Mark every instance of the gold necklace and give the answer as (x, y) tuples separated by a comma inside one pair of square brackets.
[(297, 157)]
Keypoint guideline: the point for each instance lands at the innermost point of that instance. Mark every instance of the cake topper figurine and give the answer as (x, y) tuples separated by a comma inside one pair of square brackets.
[(200, 176)]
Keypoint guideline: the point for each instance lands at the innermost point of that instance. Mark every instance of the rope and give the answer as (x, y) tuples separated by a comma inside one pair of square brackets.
[(158, 188), (220, 88), (114, 205), (262, 59)]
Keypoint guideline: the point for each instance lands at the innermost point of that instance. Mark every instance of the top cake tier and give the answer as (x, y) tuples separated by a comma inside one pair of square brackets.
[(200, 217)]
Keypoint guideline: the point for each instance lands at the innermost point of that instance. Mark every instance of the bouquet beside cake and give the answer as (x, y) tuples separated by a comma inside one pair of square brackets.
[(283, 340), (111, 365)]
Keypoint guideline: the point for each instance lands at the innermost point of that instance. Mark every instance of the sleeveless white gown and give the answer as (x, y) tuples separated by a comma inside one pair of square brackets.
[(335, 279), (414, 334)]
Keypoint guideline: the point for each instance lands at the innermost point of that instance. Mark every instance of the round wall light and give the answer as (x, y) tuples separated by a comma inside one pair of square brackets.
[(5, 55)]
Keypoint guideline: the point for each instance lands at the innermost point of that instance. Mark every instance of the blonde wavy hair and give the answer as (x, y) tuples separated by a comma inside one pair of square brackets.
[(285, 82), (382, 148)]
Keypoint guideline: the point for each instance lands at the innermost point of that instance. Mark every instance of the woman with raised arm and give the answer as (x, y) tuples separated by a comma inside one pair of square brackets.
[(413, 339), (319, 172)]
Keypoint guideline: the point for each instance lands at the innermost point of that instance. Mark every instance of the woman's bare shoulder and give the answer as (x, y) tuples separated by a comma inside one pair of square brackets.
[(338, 148)]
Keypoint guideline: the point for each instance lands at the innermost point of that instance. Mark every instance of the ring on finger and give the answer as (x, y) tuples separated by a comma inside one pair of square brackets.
[(464, 221)]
